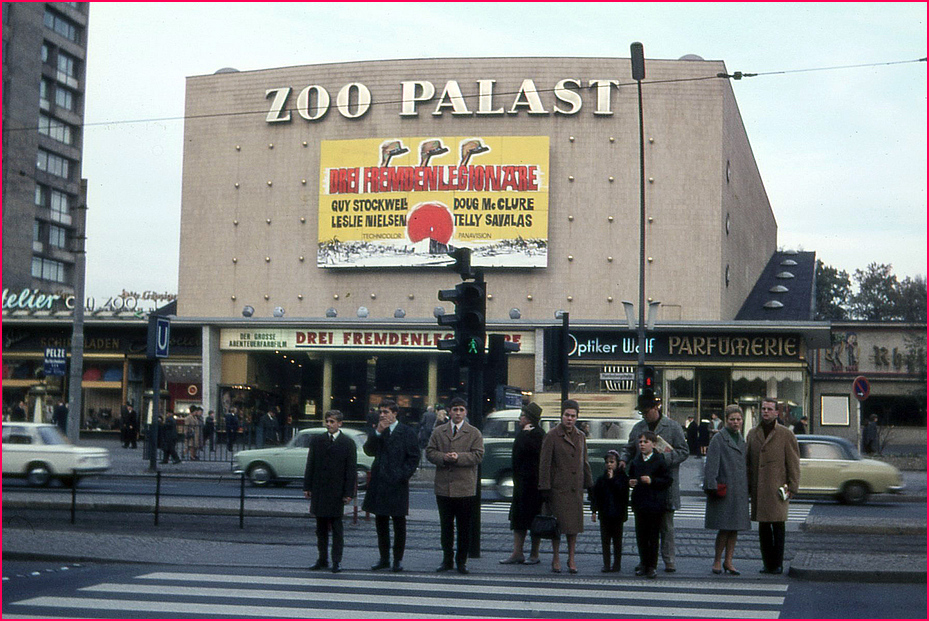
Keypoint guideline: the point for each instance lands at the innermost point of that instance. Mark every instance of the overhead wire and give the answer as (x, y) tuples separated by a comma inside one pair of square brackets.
[(737, 75)]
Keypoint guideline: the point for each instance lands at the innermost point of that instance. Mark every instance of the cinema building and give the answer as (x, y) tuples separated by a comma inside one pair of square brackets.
[(319, 200)]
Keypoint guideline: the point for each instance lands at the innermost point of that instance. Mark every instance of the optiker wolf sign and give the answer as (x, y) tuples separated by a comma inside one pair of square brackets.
[(403, 202)]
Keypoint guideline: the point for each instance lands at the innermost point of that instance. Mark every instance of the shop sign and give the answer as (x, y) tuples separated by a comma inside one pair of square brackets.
[(36, 300), (402, 201), (346, 339), (591, 345), (56, 361)]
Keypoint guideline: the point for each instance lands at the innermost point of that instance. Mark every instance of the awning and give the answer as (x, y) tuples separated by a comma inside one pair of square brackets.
[(765, 375)]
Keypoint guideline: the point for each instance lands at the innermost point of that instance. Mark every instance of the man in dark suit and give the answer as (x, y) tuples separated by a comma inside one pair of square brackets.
[(129, 425), (329, 483), (456, 449), (395, 449), (60, 416)]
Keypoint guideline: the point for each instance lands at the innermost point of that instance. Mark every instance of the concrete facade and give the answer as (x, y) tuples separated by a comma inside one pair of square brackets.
[(42, 225), (249, 230)]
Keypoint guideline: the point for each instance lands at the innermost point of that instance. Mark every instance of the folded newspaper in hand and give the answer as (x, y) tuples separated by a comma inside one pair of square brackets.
[(662, 446)]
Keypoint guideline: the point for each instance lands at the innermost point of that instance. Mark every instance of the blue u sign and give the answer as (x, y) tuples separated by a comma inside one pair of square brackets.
[(162, 336)]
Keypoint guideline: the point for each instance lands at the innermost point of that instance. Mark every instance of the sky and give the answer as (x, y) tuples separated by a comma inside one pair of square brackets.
[(842, 152)]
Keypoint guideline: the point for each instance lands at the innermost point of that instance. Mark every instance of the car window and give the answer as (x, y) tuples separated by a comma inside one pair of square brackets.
[(499, 428), (301, 441), (9, 430), (52, 436), (821, 450)]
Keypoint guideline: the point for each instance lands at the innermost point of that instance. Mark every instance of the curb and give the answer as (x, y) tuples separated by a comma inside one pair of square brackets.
[(808, 566)]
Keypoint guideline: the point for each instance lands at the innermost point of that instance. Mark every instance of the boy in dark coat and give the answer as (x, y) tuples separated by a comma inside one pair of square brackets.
[(329, 483), (609, 499), (395, 449), (649, 478)]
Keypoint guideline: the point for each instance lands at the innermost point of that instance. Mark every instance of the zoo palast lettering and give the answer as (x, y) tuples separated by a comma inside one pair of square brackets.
[(354, 100)]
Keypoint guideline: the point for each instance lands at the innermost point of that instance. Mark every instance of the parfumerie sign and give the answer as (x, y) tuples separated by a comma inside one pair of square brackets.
[(344, 339), (721, 346), (354, 100)]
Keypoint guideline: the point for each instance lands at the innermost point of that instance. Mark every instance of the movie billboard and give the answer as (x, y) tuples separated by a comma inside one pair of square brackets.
[(404, 202)]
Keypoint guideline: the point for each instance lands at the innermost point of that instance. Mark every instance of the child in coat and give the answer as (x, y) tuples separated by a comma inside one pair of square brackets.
[(649, 478), (609, 500)]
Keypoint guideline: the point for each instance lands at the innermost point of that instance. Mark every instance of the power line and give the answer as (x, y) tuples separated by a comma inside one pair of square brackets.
[(737, 75)]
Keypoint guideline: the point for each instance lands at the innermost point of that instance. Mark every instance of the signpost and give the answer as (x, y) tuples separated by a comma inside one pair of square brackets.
[(861, 388), (56, 361), (159, 337)]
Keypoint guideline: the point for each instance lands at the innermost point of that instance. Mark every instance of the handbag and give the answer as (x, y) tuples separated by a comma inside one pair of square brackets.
[(545, 527), (719, 492)]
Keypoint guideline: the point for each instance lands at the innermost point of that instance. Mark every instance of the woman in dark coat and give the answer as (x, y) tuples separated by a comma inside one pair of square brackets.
[(725, 468), (527, 502), (564, 476)]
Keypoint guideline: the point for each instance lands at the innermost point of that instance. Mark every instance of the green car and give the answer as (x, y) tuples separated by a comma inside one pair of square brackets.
[(282, 464), (500, 429), (832, 466)]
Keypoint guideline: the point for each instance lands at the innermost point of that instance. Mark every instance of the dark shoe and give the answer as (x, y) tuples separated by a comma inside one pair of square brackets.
[(651, 573), (777, 570), (670, 568), (616, 569), (606, 569), (444, 567), (381, 564), (513, 561), (556, 569), (176, 461), (397, 566), (336, 568), (639, 570), (462, 569), (732, 571), (717, 571), (531, 561), (572, 570), (320, 564)]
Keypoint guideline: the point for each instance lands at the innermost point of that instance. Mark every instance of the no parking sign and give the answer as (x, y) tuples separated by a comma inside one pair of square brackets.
[(861, 387)]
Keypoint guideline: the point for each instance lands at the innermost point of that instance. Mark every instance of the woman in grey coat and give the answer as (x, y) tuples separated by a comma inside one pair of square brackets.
[(725, 469)]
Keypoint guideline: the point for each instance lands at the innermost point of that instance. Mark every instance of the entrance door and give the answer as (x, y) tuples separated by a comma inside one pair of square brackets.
[(712, 392)]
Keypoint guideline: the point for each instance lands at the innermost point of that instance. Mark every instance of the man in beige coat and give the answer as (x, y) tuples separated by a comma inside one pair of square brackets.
[(773, 457), (456, 449)]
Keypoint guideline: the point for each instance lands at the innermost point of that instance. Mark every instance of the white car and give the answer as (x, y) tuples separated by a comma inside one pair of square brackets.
[(40, 453)]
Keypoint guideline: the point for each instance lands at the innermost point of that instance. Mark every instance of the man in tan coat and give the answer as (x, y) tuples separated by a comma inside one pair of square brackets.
[(773, 458), (456, 449)]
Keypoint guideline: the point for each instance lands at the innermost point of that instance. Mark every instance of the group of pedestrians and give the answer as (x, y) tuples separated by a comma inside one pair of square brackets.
[(199, 434), (745, 479), (456, 449)]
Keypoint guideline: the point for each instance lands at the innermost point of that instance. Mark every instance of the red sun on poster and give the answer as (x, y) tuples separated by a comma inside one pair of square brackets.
[(430, 221)]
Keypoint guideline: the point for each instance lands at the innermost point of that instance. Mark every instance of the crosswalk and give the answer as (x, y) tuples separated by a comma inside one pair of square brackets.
[(691, 508), (168, 594)]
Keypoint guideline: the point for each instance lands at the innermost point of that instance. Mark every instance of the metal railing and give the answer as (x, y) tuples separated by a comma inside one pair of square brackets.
[(158, 482)]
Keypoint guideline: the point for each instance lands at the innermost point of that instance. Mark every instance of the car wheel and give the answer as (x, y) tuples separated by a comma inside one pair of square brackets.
[(854, 493), (505, 485), (38, 474), (260, 474)]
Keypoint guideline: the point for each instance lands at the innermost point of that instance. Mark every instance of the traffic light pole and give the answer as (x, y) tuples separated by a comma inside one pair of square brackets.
[(476, 415), (638, 74)]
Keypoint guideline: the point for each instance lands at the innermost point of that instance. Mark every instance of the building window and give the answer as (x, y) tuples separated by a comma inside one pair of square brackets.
[(59, 204), (36, 231), (62, 25), (57, 237), (46, 53), (45, 88), (41, 195), (67, 69), (53, 164), (53, 128), (64, 98), (46, 269)]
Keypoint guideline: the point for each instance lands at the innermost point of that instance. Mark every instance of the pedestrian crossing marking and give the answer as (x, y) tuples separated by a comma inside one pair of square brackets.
[(394, 587), (240, 595)]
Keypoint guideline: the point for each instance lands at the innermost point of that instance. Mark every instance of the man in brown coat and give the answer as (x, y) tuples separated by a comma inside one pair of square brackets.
[(773, 458), (456, 449)]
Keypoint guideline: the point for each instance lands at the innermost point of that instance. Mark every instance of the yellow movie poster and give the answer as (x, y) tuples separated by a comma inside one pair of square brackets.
[(404, 202)]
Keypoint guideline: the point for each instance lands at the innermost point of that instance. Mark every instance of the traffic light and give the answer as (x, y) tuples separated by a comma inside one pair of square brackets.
[(648, 378), (470, 299)]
